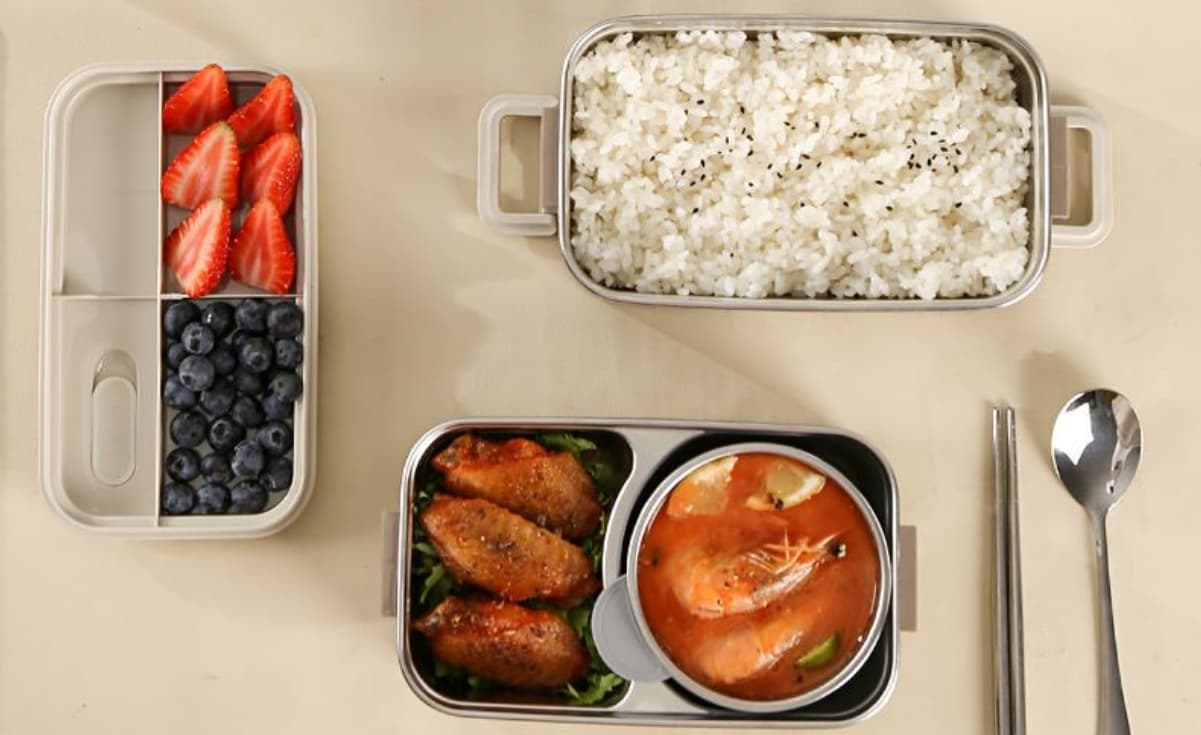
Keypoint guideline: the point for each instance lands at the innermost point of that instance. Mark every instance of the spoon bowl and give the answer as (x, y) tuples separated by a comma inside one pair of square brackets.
[(1096, 444)]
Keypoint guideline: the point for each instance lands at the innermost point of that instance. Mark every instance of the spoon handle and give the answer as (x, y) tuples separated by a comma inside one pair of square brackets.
[(1113, 719)]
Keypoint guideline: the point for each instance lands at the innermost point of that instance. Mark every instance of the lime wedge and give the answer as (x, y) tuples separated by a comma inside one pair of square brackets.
[(820, 655)]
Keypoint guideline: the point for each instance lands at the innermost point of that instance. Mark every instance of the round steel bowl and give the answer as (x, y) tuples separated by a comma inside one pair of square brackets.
[(883, 587)]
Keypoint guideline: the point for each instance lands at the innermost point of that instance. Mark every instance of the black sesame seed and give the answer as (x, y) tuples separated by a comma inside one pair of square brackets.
[(702, 177), (769, 166), (751, 138), (787, 124), (743, 132), (750, 184), (933, 132), (700, 102), (805, 156), (854, 233), (695, 210), (958, 205), (879, 182), (750, 152), (802, 204), (956, 169), (652, 158), (943, 149), (888, 207), (798, 166), (683, 171), (844, 203), (727, 140), (918, 166), (779, 175), (702, 163), (742, 109), (819, 164)]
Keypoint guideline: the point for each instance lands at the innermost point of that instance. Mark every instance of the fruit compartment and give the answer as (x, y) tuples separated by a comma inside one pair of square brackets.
[(102, 433), (243, 85), (295, 455)]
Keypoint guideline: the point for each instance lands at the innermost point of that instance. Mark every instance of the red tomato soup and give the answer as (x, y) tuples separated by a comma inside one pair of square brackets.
[(758, 577)]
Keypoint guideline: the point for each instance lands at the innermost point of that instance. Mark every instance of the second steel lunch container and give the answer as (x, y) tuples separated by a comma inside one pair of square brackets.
[(652, 450), (1047, 200)]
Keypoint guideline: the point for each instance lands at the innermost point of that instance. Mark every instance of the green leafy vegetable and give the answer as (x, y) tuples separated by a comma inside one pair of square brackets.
[(598, 686), (563, 442)]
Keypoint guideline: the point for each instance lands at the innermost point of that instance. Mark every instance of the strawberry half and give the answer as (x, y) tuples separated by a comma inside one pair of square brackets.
[(202, 100), (261, 255), (207, 168), (272, 110), (197, 250), (270, 171)]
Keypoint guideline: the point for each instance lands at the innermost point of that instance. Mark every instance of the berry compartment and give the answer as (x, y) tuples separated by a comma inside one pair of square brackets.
[(103, 432)]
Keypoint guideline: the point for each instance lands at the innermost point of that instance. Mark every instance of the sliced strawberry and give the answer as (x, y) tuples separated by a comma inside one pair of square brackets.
[(261, 255), (207, 168), (197, 250), (272, 110), (270, 171), (202, 100)]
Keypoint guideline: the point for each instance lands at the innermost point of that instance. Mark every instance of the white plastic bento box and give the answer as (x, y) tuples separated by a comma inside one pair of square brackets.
[(102, 421)]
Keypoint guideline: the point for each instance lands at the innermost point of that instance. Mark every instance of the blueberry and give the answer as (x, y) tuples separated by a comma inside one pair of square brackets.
[(198, 339), (276, 409), (249, 384), (224, 359), (248, 459), (187, 429), (285, 320), (178, 498), (277, 475), (247, 497), (197, 372), (287, 386), (183, 464), (179, 315), (256, 355), (219, 317), (251, 316), (224, 433), (176, 395), (288, 353), (247, 412), (275, 438), (219, 399), (215, 468), (176, 352), (238, 340), (211, 498)]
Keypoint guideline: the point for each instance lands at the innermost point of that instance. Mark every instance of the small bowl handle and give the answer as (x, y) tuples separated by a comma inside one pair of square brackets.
[(618, 639), (1100, 222), (529, 224)]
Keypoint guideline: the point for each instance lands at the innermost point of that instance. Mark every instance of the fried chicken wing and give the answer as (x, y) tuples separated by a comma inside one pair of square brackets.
[(523, 648), (549, 488), (485, 545)]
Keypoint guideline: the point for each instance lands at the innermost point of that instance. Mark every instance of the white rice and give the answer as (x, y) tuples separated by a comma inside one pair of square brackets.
[(791, 164)]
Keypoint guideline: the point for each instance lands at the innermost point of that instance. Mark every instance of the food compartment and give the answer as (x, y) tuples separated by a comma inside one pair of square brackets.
[(103, 400), (243, 86), (103, 233), (606, 459), (866, 690), (238, 424)]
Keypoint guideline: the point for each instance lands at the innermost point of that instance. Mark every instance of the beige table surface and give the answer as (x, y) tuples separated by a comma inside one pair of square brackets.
[(426, 315)]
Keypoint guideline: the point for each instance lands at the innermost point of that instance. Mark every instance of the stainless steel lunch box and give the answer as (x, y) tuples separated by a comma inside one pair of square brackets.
[(656, 449), (1047, 200), (626, 642)]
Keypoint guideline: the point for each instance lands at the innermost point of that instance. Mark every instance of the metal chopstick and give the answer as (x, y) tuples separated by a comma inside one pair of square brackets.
[(1001, 649), (1017, 675)]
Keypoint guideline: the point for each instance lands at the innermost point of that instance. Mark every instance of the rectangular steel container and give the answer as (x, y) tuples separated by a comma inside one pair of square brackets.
[(1046, 200), (656, 447)]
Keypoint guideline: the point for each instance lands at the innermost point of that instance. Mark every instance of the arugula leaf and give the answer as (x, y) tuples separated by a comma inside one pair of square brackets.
[(598, 687), (565, 442), (437, 583)]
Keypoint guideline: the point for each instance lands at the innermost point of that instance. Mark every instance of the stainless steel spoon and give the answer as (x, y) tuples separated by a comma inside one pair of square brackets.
[(1096, 443)]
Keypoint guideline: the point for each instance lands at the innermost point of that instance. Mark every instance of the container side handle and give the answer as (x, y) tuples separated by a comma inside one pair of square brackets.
[(528, 224), (1100, 221)]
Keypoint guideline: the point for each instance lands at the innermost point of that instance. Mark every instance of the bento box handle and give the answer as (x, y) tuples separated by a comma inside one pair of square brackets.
[(1101, 163), (529, 224)]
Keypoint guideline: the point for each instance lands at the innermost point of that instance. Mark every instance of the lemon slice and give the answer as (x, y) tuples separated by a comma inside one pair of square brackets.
[(786, 484), (703, 491), (820, 655)]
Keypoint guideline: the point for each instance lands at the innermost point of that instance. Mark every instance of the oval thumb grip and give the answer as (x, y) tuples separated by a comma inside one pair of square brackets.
[(618, 638), (497, 109)]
